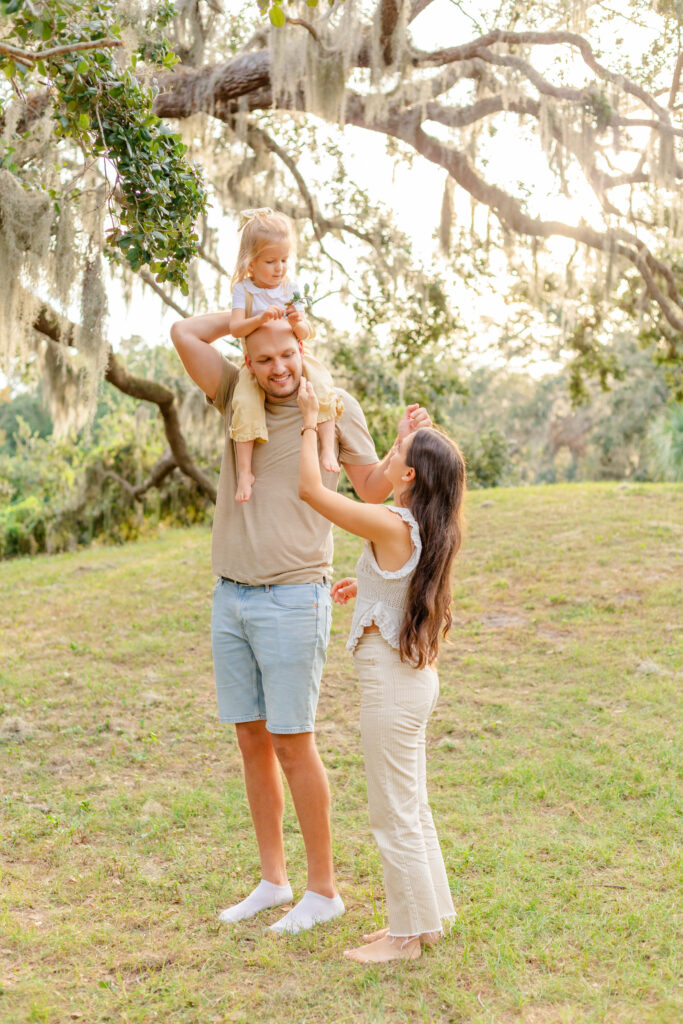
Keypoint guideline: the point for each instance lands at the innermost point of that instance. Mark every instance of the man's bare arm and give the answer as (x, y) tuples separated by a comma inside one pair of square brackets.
[(193, 339), (369, 482)]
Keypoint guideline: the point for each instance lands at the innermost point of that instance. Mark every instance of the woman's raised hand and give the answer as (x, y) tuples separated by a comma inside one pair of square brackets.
[(343, 590), (308, 400)]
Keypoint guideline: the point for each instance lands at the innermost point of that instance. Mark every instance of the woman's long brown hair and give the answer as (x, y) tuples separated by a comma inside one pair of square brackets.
[(436, 501)]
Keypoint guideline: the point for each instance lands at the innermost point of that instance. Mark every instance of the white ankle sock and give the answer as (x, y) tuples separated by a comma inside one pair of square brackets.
[(266, 894), (312, 909)]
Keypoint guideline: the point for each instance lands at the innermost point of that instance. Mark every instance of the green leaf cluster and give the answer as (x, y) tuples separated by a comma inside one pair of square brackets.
[(58, 493), (109, 114)]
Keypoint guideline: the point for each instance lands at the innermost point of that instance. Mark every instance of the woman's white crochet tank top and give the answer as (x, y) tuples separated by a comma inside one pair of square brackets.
[(382, 595)]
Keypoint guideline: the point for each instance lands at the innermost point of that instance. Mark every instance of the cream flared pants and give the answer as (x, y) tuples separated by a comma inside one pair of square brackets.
[(396, 702)]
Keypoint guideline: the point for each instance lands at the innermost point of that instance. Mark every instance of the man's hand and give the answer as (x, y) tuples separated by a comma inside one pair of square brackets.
[(413, 418), (343, 590)]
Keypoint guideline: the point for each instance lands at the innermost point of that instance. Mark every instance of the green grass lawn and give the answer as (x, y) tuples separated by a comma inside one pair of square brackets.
[(554, 767)]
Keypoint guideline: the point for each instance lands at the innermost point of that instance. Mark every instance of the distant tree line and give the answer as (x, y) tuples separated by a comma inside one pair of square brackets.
[(57, 493)]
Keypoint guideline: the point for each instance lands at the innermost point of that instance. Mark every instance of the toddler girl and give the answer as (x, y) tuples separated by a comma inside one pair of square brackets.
[(262, 291)]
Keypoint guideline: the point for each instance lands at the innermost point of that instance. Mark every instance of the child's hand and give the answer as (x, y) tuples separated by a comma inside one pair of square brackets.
[(308, 401), (343, 590), (272, 313), (294, 316)]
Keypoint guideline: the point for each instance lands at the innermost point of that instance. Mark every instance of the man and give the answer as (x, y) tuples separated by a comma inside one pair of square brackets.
[(271, 610)]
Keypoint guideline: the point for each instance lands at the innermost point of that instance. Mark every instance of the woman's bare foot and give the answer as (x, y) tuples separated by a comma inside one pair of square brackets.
[(426, 938), (244, 486), (386, 949), (329, 461)]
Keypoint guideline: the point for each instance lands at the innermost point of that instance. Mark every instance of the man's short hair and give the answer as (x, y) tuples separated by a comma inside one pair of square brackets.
[(277, 325)]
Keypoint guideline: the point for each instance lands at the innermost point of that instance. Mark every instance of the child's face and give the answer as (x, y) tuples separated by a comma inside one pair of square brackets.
[(269, 268)]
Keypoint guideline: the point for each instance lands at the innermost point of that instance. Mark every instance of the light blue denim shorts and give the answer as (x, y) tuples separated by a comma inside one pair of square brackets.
[(269, 647)]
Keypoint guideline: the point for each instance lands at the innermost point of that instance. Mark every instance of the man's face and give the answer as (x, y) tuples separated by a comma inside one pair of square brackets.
[(274, 357)]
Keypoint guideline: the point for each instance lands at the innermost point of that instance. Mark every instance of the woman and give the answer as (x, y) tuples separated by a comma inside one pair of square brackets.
[(403, 598)]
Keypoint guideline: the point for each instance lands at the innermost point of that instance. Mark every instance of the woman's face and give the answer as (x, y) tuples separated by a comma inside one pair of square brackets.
[(398, 472)]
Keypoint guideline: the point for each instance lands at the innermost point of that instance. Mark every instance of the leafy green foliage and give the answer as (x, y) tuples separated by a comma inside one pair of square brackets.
[(24, 408), (104, 110), (593, 360), (547, 439), (665, 439), (57, 494), (486, 456), (305, 298)]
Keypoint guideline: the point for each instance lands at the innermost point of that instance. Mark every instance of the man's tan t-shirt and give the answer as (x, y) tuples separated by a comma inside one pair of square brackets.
[(275, 537)]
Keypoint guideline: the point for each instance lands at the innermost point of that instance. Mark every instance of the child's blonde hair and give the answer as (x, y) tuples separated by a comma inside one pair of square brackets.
[(260, 228)]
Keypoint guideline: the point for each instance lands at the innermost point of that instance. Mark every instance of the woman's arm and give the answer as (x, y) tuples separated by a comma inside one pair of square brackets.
[(372, 522)]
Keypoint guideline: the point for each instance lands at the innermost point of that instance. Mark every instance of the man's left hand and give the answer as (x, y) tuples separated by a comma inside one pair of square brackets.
[(413, 418)]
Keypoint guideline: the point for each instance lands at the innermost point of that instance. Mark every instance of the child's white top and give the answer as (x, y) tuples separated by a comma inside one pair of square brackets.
[(382, 595), (264, 297)]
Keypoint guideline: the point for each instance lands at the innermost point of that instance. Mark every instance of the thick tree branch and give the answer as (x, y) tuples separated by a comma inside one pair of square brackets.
[(244, 84), (676, 81), (476, 46), (417, 7), (460, 117), (26, 57), (389, 14), (163, 468), (152, 391), (577, 96), (60, 330), (601, 182), (512, 216), (214, 87)]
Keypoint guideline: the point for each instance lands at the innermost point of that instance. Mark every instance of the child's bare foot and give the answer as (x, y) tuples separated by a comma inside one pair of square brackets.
[(244, 486), (426, 938), (329, 461), (386, 949)]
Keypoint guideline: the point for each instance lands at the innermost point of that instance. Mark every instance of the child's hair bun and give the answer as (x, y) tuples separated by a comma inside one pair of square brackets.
[(255, 214)]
